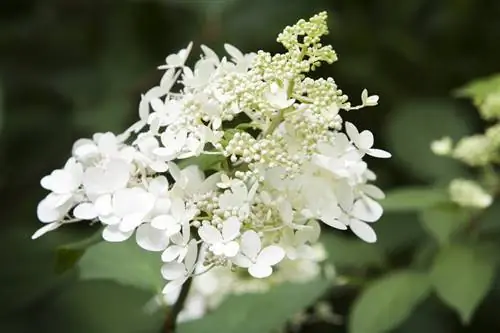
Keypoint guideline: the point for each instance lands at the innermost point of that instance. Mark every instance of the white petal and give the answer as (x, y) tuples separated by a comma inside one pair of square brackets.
[(373, 191), (171, 253), (162, 222), (173, 285), (191, 255), (241, 261), (333, 222), (378, 153), (209, 234), (85, 211), (367, 209), (260, 271), (151, 239), (270, 255), (345, 195), (173, 270), (102, 205), (363, 231), (233, 52), (47, 213), (231, 249), (130, 222), (250, 244), (46, 228), (113, 234), (352, 132), (365, 140), (231, 228)]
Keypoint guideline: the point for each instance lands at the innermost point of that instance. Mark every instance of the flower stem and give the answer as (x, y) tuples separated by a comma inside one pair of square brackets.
[(170, 324)]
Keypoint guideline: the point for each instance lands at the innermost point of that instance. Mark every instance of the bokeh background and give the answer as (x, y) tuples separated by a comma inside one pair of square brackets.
[(72, 68)]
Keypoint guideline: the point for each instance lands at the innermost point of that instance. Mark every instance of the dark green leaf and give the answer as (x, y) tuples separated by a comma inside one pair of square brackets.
[(462, 276), (443, 221), (413, 198), (259, 313), (99, 306), (414, 125), (351, 252), (388, 301), (68, 255), (125, 263)]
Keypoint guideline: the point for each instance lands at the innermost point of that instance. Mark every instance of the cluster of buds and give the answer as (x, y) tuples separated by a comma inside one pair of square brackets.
[(480, 151), (284, 168)]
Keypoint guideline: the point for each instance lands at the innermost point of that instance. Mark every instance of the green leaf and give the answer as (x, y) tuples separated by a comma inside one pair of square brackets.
[(414, 125), (351, 252), (414, 198), (396, 231), (490, 221), (268, 311), (205, 162), (99, 306), (462, 276), (388, 301), (443, 221), (68, 255), (125, 263)]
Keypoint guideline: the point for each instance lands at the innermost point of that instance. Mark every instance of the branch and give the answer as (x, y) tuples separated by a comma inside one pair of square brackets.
[(170, 324)]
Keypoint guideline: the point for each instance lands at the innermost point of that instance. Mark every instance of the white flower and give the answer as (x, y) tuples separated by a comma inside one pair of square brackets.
[(113, 176), (177, 59), (179, 272), (222, 243), (129, 208), (173, 144), (278, 97), (296, 243), (258, 260), (242, 61), (364, 141), (368, 100), (442, 146), (363, 210), (239, 197), (171, 222), (64, 184), (178, 248)]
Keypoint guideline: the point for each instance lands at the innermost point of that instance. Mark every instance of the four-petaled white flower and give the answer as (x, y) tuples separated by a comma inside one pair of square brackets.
[(258, 260), (364, 141), (222, 243), (179, 245)]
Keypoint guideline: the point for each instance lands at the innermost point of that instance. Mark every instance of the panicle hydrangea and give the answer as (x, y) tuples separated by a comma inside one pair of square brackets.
[(468, 193), (289, 163)]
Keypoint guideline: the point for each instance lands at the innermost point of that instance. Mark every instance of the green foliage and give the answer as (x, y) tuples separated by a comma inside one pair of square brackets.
[(412, 128), (388, 301), (413, 198), (257, 313), (443, 221), (360, 254), (70, 69), (462, 276), (69, 254), (124, 263)]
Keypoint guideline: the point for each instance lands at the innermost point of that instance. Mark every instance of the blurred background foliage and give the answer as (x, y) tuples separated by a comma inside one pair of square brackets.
[(71, 68)]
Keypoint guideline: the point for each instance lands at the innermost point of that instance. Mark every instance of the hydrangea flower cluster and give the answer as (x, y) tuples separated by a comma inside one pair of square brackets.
[(284, 162)]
